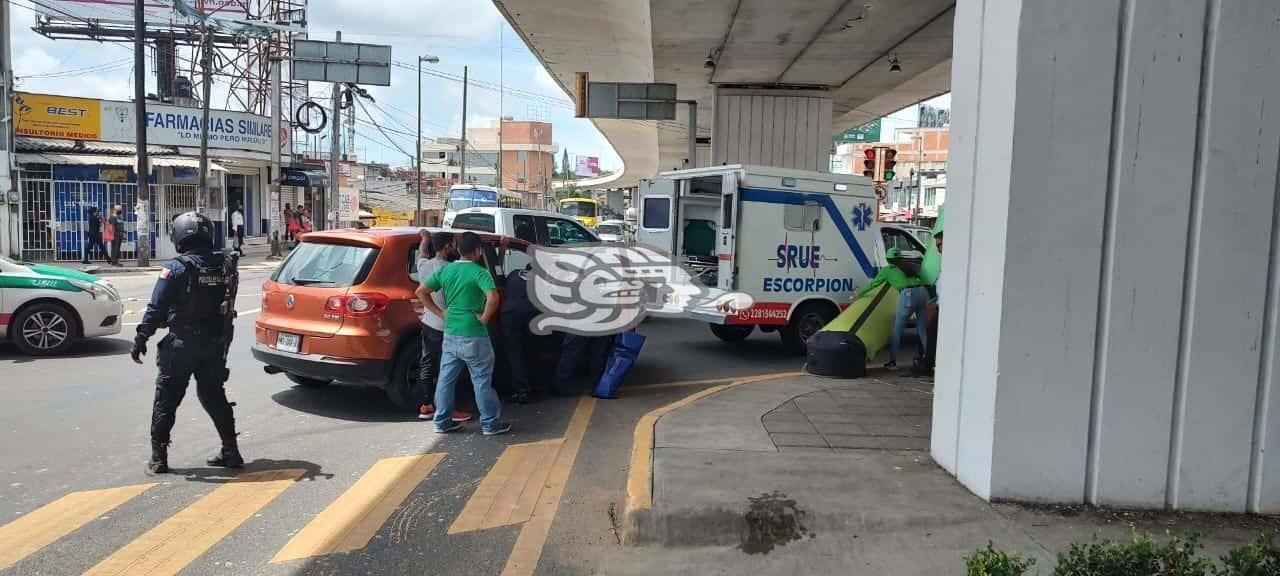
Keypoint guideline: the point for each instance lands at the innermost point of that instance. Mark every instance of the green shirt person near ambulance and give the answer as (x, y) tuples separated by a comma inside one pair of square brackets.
[(911, 301), (891, 275)]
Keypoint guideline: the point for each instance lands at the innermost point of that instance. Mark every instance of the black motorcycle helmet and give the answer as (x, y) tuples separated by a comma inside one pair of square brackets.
[(191, 230)]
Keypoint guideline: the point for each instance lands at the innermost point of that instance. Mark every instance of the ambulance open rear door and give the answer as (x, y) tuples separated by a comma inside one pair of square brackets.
[(657, 212), (727, 241)]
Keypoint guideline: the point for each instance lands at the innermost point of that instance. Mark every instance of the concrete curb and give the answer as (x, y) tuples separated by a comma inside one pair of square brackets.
[(638, 517)]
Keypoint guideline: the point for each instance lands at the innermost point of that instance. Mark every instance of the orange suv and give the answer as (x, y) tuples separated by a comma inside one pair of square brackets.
[(341, 308)]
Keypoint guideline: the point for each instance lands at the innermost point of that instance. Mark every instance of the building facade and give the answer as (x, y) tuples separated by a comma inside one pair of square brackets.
[(68, 164), (525, 152)]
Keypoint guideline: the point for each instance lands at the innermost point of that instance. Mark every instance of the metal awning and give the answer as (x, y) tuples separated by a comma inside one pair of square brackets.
[(106, 160)]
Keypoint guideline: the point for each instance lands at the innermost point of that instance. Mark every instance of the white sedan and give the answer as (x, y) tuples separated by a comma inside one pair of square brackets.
[(45, 310)]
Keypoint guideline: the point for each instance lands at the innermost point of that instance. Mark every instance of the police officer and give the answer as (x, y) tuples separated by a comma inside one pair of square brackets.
[(194, 298)]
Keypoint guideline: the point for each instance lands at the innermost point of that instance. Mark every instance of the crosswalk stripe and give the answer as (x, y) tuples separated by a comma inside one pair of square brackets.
[(45, 525), (350, 522), (185, 536), (527, 551), (509, 492)]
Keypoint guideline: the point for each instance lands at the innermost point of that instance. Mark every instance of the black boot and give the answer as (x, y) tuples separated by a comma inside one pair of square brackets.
[(228, 457), (159, 463)]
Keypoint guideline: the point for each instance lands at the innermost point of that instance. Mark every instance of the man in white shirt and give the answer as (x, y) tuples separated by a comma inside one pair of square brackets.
[(237, 229), (432, 333)]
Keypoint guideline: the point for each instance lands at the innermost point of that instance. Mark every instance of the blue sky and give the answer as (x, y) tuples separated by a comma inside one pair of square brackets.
[(459, 32)]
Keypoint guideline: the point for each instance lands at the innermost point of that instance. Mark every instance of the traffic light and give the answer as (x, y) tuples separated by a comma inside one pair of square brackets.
[(869, 165), (889, 162)]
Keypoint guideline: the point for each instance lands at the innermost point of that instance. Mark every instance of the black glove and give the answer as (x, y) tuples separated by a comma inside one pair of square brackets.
[(139, 348)]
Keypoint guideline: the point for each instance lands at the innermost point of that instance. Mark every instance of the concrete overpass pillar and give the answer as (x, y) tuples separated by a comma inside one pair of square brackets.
[(772, 127), (1109, 293)]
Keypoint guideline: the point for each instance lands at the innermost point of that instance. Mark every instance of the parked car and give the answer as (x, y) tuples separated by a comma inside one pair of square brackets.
[(613, 231), (533, 226), (341, 307), (45, 310)]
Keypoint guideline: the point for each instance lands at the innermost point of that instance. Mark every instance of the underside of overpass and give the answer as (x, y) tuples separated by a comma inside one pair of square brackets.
[(844, 50), (1111, 303)]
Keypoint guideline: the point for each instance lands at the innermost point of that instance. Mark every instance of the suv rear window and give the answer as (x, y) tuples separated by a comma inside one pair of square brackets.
[(478, 222), (327, 265)]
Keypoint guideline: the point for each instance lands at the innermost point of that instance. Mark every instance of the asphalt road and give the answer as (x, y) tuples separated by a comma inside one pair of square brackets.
[(80, 423)]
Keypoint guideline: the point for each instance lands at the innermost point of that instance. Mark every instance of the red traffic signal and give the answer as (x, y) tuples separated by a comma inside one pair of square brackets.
[(869, 165)]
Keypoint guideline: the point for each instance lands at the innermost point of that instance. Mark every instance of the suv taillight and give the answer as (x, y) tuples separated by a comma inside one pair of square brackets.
[(358, 305)]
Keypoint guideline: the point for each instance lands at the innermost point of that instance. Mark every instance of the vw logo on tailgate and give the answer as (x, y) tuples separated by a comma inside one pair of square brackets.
[(288, 302)]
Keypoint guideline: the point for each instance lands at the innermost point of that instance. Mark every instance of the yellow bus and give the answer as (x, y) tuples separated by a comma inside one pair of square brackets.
[(584, 210)]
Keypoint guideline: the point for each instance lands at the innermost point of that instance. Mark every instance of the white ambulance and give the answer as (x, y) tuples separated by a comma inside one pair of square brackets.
[(799, 243)]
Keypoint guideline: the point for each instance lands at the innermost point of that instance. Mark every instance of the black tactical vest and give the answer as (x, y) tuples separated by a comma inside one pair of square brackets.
[(199, 309)]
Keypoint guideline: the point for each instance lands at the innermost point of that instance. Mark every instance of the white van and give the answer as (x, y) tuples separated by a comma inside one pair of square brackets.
[(799, 243), (534, 226)]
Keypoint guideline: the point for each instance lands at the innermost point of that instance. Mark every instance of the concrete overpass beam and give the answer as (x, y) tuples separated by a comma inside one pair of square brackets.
[(1110, 291), (772, 127)]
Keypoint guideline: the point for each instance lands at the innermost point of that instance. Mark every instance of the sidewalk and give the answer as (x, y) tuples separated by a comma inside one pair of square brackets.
[(809, 475)]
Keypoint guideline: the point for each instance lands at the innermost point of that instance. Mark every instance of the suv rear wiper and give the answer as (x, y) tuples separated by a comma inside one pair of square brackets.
[(308, 281)]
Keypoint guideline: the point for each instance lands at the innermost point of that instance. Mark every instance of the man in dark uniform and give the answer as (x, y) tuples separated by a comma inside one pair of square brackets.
[(516, 313), (195, 299)]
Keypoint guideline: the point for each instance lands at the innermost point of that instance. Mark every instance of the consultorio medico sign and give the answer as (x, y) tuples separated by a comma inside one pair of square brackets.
[(49, 116)]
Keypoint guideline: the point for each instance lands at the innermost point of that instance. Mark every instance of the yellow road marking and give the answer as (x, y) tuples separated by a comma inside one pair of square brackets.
[(509, 492), (533, 535), (640, 472), (350, 522), (45, 525), (185, 536)]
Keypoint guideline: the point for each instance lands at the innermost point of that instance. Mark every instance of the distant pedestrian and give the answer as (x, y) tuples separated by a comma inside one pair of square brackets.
[(441, 250), (93, 236), (471, 301), (288, 223), (115, 231), (304, 220), (237, 228)]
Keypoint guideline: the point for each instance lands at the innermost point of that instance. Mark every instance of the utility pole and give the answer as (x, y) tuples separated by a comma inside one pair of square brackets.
[(417, 158), (920, 162), (501, 118), (10, 217), (143, 246), (417, 147), (692, 162), (206, 57), (273, 202), (462, 171), (335, 123)]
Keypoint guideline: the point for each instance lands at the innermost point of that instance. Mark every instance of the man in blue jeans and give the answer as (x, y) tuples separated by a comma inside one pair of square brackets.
[(471, 301)]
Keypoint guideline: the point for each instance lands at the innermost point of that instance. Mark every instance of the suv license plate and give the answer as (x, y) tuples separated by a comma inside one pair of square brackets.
[(288, 342)]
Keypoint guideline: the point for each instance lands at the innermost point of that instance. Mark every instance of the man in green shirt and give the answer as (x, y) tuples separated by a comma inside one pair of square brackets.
[(891, 275), (471, 301), (910, 300)]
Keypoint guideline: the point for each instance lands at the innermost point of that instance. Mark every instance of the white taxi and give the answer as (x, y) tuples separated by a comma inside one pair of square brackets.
[(45, 310)]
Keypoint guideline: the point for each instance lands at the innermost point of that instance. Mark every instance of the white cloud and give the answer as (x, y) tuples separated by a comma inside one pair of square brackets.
[(475, 20)]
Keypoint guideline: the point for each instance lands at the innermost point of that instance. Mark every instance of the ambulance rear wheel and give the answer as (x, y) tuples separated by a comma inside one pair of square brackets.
[(732, 332), (805, 322)]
